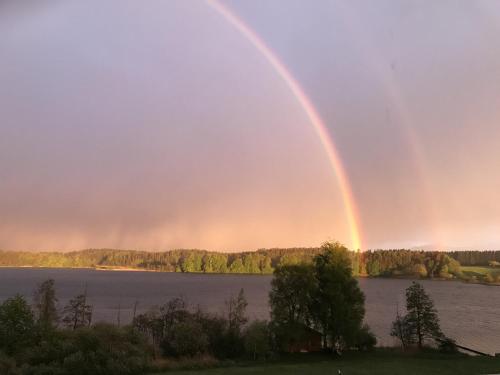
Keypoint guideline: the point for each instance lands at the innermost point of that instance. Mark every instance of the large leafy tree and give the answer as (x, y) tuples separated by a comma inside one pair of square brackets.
[(290, 299), (338, 302), (192, 262), (323, 296), (215, 263)]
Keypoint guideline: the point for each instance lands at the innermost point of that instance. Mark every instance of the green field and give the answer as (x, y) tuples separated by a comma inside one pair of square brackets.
[(480, 272), (378, 363)]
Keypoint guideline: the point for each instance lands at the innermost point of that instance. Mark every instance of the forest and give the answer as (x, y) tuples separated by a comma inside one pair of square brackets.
[(373, 263)]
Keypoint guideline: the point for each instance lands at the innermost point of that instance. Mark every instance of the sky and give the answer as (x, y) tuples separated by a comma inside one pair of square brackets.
[(163, 124)]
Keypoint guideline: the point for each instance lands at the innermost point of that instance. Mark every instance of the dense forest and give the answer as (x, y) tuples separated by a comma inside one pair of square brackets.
[(387, 263)]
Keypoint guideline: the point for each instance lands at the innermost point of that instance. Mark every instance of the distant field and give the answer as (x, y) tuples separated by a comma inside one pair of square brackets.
[(480, 271), (367, 364)]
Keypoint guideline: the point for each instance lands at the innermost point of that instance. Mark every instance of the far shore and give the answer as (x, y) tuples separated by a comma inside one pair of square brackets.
[(98, 268), (130, 269)]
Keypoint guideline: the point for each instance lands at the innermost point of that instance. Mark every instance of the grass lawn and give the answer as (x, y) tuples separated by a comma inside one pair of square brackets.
[(480, 271), (378, 363)]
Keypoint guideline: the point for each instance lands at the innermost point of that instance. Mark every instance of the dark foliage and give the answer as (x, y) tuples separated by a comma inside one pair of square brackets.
[(77, 313), (31, 344), (322, 296), (45, 305), (17, 325), (448, 346), (176, 331)]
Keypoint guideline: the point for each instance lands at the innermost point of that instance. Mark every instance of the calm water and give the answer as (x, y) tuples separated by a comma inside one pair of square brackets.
[(469, 313)]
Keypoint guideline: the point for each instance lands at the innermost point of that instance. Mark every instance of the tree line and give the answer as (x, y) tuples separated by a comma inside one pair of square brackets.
[(399, 262), (477, 258)]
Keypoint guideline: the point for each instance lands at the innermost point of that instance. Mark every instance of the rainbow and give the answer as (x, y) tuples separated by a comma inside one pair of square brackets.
[(392, 91), (315, 119)]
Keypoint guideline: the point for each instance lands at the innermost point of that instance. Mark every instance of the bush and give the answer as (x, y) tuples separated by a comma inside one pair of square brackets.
[(224, 341), (256, 338), (448, 345), (216, 329), (185, 339), (365, 339), (180, 332), (488, 278), (8, 365), (99, 350)]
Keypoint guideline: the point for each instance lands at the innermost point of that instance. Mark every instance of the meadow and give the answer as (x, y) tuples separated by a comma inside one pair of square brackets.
[(481, 273), (379, 362)]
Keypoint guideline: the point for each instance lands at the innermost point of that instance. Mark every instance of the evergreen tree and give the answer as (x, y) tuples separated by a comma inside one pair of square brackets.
[(421, 321), (422, 317)]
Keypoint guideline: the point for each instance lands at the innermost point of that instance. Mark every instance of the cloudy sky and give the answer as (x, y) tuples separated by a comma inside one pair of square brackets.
[(158, 124)]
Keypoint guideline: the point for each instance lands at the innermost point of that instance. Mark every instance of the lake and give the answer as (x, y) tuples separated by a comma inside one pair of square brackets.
[(469, 313)]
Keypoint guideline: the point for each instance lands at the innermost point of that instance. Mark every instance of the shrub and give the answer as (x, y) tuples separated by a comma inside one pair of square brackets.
[(448, 345), (216, 328), (8, 365), (256, 338), (365, 339), (488, 278), (100, 350), (185, 339)]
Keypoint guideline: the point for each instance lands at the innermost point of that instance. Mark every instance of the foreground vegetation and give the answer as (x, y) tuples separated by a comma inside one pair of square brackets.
[(379, 362)]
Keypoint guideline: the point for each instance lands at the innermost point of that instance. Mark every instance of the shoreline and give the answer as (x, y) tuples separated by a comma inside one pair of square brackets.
[(130, 269)]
